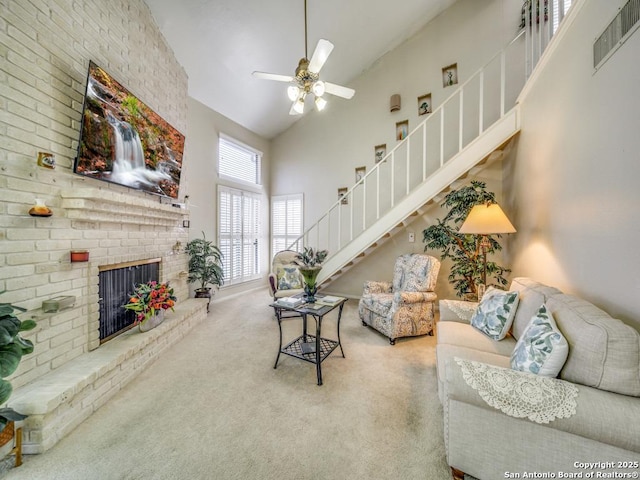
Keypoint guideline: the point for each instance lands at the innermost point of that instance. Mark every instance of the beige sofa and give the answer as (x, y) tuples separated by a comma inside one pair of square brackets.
[(603, 368)]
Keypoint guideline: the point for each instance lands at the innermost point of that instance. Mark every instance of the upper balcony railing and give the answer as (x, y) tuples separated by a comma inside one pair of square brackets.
[(473, 107), (539, 26)]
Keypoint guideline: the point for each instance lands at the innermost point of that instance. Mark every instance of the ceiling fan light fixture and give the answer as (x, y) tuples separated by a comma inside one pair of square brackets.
[(320, 103), (306, 80), (303, 68), (299, 105), (318, 88), (293, 92)]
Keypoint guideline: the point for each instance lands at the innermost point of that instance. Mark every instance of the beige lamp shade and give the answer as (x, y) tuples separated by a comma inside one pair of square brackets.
[(487, 219)]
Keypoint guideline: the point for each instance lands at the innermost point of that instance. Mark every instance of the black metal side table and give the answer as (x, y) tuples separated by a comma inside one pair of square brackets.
[(307, 347)]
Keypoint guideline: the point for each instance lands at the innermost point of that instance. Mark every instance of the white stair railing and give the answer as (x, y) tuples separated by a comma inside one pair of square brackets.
[(470, 110), (461, 118), (541, 19)]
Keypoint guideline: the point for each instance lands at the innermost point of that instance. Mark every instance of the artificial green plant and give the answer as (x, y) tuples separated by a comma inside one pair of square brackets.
[(309, 263), (310, 257), (205, 263), (464, 250)]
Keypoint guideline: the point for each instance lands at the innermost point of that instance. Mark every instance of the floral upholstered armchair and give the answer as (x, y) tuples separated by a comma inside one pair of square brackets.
[(405, 307), (285, 279)]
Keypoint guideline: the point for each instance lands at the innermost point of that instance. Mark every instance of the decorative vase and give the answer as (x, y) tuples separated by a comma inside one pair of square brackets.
[(309, 274), (204, 293), (152, 322), (7, 434), (470, 297), (10, 442)]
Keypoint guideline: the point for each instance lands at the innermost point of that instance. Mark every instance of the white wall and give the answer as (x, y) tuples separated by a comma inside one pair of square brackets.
[(201, 178), (574, 180), (320, 152)]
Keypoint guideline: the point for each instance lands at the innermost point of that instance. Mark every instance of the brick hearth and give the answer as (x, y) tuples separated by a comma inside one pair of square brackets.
[(59, 401)]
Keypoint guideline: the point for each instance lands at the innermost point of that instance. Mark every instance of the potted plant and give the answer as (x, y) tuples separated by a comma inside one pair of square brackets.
[(465, 250), (310, 263), (12, 348), (205, 266), (149, 301)]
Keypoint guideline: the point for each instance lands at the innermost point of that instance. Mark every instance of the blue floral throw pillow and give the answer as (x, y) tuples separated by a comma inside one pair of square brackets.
[(495, 313), (542, 349), (288, 277)]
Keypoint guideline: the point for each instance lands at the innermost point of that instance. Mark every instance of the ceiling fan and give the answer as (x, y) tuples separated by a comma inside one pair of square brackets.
[(307, 78)]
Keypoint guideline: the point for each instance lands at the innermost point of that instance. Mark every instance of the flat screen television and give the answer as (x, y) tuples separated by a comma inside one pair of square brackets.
[(123, 141)]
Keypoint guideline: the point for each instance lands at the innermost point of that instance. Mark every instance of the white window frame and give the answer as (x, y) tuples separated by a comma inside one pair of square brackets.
[(247, 229), (293, 223), (241, 147), (244, 232)]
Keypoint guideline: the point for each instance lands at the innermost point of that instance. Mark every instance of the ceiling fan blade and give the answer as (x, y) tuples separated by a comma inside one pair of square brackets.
[(320, 55), (273, 76), (339, 90)]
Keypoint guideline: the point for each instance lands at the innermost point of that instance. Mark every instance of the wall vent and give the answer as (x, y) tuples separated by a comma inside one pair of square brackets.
[(617, 32)]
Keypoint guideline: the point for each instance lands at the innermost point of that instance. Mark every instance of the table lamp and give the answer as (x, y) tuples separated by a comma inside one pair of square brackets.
[(484, 220)]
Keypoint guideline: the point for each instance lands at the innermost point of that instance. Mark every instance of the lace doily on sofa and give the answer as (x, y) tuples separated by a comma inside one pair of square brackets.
[(463, 310), (521, 395)]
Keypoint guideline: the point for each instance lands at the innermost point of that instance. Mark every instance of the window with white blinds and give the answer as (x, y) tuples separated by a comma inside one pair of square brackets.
[(238, 162), (286, 221), (239, 234), (560, 8)]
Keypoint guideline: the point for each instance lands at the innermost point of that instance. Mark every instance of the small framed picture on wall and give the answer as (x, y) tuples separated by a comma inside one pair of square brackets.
[(450, 75), (342, 195), (402, 130), (380, 152), (424, 104)]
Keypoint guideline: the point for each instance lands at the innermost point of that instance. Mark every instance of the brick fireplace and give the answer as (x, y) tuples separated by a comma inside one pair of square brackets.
[(70, 374)]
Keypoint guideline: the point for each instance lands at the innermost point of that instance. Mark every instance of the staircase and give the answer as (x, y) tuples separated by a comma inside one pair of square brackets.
[(471, 128)]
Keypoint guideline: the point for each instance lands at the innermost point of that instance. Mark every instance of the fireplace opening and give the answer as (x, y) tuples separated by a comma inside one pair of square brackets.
[(115, 284)]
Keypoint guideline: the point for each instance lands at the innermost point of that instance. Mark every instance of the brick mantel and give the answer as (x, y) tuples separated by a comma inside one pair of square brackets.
[(92, 204)]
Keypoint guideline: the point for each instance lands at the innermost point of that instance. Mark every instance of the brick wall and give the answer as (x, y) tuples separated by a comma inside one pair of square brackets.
[(45, 48)]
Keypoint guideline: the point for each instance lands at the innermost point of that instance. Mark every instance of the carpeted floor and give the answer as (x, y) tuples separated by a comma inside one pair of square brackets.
[(213, 407)]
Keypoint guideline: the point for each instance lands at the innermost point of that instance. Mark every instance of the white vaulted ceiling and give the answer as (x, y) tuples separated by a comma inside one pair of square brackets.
[(221, 42)]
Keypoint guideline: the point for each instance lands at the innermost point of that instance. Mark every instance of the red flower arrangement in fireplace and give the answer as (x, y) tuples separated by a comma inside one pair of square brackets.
[(149, 298)]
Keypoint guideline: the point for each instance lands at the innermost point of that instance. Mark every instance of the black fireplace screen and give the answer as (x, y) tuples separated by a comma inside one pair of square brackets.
[(114, 288)]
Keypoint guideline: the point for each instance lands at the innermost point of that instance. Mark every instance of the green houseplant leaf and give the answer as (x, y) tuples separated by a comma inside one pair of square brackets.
[(9, 328), (10, 356), (12, 348), (310, 257)]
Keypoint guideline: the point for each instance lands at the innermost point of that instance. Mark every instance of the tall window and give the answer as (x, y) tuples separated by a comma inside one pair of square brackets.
[(239, 228), (286, 221)]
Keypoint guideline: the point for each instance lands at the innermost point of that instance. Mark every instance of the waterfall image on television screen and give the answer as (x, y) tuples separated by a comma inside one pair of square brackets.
[(125, 142)]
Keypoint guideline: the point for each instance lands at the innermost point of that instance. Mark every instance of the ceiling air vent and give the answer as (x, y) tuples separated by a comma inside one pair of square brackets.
[(617, 32)]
